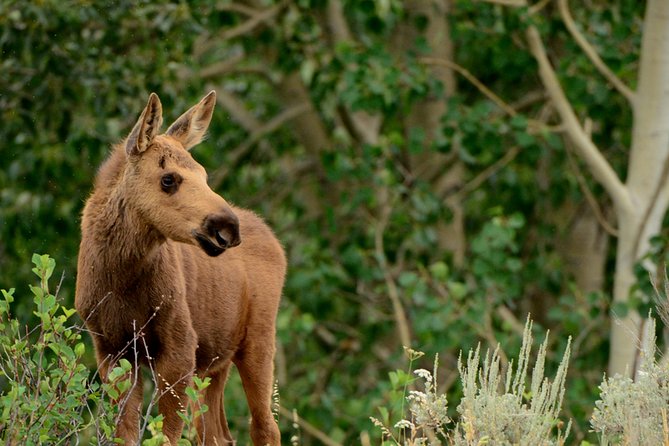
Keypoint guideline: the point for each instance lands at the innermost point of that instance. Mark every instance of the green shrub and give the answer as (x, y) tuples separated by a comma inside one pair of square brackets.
[(516, 416), (48, 395), (496, 408), (635, 411)]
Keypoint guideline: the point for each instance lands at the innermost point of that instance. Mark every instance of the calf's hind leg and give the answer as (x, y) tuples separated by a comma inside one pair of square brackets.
[(256, 368), (212, 426)]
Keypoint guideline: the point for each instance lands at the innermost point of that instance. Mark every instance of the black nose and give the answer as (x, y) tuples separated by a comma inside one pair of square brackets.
[(224, 228)]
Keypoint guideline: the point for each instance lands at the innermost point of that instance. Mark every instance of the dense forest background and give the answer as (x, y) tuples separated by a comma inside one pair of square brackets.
[(436, 170)]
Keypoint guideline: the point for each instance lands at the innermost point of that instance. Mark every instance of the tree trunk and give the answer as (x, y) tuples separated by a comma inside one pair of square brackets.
[(646, 180), (430, 166), (583, 247)]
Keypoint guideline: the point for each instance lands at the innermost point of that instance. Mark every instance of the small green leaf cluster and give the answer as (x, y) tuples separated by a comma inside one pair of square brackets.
[(46, 388)]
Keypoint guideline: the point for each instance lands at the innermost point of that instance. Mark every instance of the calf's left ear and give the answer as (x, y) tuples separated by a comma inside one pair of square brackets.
[(190, 128)]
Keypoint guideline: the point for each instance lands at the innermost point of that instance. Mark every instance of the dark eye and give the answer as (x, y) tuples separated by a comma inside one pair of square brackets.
[(168, 182)]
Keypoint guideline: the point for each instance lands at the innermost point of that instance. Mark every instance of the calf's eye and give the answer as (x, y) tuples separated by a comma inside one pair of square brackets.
[(168, 182)]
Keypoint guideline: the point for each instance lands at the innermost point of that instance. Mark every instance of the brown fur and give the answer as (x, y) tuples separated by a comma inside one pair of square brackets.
[(141, 265)]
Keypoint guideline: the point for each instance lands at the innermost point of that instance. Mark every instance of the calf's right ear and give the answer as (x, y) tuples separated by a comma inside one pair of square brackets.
[(147, 127)]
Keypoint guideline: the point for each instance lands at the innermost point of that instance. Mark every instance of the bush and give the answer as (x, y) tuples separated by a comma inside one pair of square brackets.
[(48, 395), (516, 416), (635, 411)]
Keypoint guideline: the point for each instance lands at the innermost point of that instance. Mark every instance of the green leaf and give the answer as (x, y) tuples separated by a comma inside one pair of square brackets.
[(439, 271), (385, 415), (68, 312), (620, 309)]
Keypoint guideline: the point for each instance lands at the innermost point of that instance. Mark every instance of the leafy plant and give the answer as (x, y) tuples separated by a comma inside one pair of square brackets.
[(497, 408), (634, 411), (49, 396), (47, 390)]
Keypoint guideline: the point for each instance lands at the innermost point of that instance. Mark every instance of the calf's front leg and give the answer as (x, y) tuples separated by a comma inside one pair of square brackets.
[(129, 402)]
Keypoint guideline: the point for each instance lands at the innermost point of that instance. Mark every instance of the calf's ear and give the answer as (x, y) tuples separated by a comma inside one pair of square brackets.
[(147, 127), (190, 128)]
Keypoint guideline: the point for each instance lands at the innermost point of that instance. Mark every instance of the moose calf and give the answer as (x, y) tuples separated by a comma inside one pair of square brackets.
[(172, 276)]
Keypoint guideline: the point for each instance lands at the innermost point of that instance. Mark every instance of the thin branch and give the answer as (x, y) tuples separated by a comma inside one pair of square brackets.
[(519, 4), (589, 197), (238, 7), (238, 110), (336, 22), (362, 126), (516, 3), (308, 427), (401, 319), (473, 80), (507, 316), (244, 28), (253, 22), (538, 7), (592, 53), (585, 147), (660, 186), (503, 105), (488, 172), (258, 133), (221, 67)]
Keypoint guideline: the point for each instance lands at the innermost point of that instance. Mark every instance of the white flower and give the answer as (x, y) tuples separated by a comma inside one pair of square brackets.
[(425, 374), (404, 424)]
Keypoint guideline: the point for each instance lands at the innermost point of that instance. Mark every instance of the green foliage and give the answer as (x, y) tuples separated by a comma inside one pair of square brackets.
[(519, 415), (76, 74), (49, 396), (47, 391), (635, 411)]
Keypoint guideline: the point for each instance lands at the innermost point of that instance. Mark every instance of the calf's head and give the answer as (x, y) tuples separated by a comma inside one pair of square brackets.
[(168, 188)]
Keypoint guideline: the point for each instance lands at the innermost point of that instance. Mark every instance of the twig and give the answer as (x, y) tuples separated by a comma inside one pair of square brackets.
[(473, 80), (503, 105), (221, 67), (508, 317), (660, 186), (515, 3), (237, 110), (398, 310), (237, 7), (592, 53), (336, 22), (361, 125), (585, 147), (244, 28), (489, 171), (537, 7), (273, 124), (308, 427), (254, 21)]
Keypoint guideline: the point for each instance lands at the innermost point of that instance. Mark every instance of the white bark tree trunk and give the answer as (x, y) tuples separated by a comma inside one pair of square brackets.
[(646, 179), (640, 202)]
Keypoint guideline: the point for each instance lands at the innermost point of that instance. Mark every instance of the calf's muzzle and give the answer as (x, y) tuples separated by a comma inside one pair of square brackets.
[(219, 232)]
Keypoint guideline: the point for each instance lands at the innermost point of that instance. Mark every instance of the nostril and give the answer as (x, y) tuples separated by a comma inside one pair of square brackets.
[(224, 228), (221, 239)]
